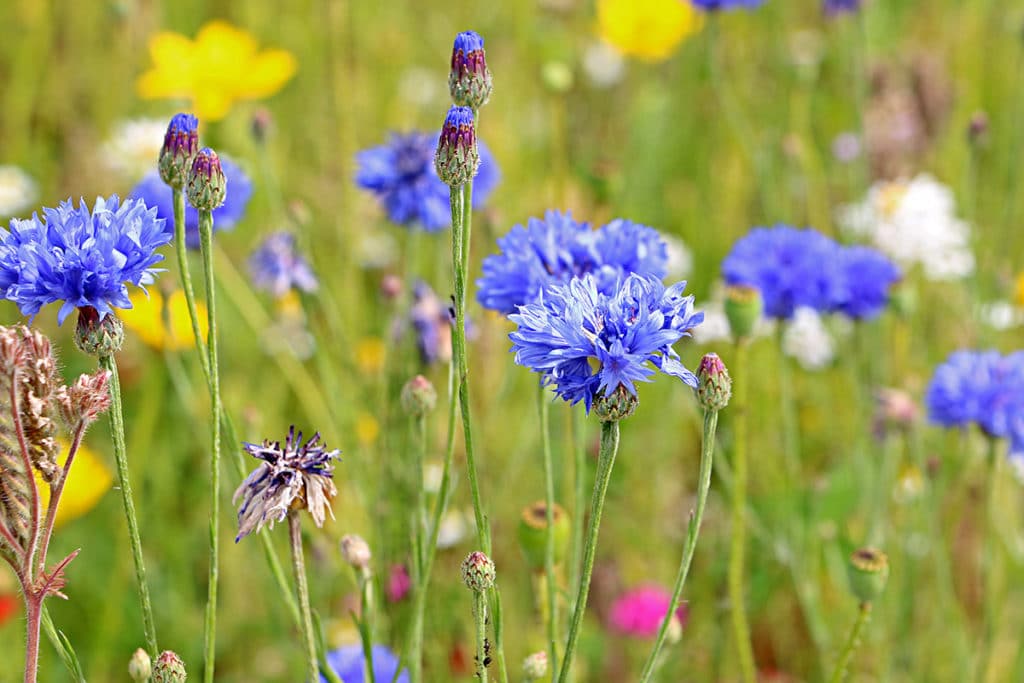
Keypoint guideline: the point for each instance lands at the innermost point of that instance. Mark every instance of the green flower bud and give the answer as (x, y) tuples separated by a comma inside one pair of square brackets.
[(478, 572), (457, 159), (616, 406), (180, 145), (533, 535), (743, 309), (418, 396), (356, 551), (535, 666), (714, 384), (169, 668), (469, 80), (207, 185), (869, 570), (98, 337), (140, 668)]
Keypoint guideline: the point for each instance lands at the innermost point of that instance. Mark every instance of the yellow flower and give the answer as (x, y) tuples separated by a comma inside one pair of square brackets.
[(647, 29), (161, 329), (370, 353), (367, 428), (1018, 293), (220, 66), (88, 479)]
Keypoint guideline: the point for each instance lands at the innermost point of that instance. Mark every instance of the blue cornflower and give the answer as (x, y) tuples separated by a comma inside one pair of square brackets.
[(348, 663), (983, 387), (155, 192), (401, 174), (792, 269), (866, 277), (432, 323), (294, 475), (714, 5), (588, 343), (277, 267), (79, 257), (557, 249), (833, 7)]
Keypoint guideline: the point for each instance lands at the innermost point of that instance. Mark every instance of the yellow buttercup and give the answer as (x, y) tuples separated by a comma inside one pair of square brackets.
[(222, 65), (88, 479), (649, 30), (161, 329)]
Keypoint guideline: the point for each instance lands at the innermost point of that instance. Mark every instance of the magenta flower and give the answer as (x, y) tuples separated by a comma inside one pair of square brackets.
[(638, 613)]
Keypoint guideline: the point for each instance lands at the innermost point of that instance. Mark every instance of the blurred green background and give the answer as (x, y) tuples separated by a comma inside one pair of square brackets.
[(654, 147)]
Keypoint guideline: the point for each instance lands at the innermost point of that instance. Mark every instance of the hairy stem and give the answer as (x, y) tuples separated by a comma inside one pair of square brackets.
[(543, 405), (842, 666), (299, 567), (737, 603)]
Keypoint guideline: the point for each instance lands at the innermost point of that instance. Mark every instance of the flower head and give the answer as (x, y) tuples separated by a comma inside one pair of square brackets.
[(181, 144), (295, 475), (639, 612), (790, 267), (457, 159), (401, 174), (155, 193), (220, 66), (588, 343), (469, 80), (80, 257), (867, 276), (17, 190), (806, 339), (432, 323), (348, 663), (277, 267), (649, 30), (207, 186), (981, 387)]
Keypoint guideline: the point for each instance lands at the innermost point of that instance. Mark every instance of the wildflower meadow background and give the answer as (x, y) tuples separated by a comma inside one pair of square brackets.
[(568, 340)]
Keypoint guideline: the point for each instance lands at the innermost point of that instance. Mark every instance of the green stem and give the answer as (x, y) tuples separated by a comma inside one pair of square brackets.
[(543, 405), (863, 615), (420, 552), (989, 557), (186, 278), (124, 485), (703, 486), (605, 461), (206, 244), (579, 474), (299, 568), (366, 627), (480, 617), (740, 627)]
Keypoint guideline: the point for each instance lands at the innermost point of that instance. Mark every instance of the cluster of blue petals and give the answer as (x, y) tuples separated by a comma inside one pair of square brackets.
[(557, 249), (803, 268), (984, 388), (587, 342), (80, 257), (154, 192), (277, 267), (833, 7), (401, 175), (713, 5), (348, 663)]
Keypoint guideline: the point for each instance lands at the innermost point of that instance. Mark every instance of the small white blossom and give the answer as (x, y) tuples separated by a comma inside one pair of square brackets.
[(603, 65), (133, 148), (808, 340), (17, 191)]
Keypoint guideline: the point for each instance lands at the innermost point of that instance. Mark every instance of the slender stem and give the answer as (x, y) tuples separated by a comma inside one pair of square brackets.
[(33, 614), (605, 461), (26, 463), (480, 617), (366, 627), (55, 494), (737, 603), (299, 567), (579, 474), (989, 559), (206, 244), (543, 405), (703, 485), (421, 551), (181, 250), (863, 615), (124, 484)]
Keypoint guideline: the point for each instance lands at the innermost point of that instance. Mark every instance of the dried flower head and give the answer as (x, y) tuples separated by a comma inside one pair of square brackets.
[(293, 476), (84, 400)]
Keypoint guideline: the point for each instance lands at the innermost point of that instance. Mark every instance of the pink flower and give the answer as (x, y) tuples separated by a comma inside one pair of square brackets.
[(399, 583), (639, 612)]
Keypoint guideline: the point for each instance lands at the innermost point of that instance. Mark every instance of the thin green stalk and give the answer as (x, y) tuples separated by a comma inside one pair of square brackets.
[(579, 448), (543, 405), (480, 617), (365, 626), (124, 485), (206, 244), (299, 568), (842, 666), (181, 250), (420, 551), (605, 461), (703, 486), (740, 627), (990, 565)]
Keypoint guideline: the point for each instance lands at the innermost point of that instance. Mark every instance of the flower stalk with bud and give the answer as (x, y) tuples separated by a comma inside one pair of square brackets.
[(478, 574), (869, 571)]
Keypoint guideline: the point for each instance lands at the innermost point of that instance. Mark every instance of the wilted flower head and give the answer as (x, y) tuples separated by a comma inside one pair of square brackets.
[(297, 475), (80, 257), (277, 267), (639, 612), (17, 190), (349, 663), (156, 193), (649, 30), (401, 175), (588, 343)]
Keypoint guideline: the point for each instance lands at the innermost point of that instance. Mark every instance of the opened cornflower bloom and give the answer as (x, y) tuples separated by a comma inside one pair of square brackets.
[(650, 30), (277, 267), (222, 65), (867, 277), (401, 175), (155, 193), (348, 663), (979, 387)]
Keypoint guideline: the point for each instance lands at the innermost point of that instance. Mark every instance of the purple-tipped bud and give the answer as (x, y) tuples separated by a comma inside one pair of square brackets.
[(714, 385), (478, 572), (418, 396), (169, 668), (356, 551), (207, 185), (457, 159), (97, 336), (469, 80), (977, 128), (743, 309), (181, 142)]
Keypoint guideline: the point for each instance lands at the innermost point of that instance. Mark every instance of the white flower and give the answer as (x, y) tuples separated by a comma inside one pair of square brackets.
[(133, 148), (433, 473), (808, 340), (1001, 315), (1017, 466), (914, 223), (17, 190), (680, 258), (455, 526), (603, 65)]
